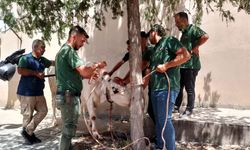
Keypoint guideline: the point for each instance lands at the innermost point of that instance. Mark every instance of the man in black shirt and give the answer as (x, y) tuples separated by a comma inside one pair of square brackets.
[(124, 59)]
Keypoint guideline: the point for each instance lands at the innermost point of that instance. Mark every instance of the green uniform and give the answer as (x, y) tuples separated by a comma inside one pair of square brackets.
[(190, 38), (164, 51), (67, 78)]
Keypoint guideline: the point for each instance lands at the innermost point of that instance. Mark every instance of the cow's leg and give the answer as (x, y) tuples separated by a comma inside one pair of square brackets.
[(92, 106), (85, 111), (54, 120), (52, 85), (83, 105)]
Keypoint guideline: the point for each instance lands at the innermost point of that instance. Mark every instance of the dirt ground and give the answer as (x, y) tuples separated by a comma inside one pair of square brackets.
[(10, 138)]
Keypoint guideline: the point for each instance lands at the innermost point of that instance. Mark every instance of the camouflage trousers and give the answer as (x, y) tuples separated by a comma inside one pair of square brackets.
[(70, 111), (29, 106)]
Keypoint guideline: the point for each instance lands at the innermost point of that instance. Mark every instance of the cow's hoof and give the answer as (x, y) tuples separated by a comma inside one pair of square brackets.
[(110, 127), (97, 136), (54, 123)]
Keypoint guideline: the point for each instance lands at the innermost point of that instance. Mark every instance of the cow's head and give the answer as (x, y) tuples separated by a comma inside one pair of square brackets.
[(110, 91)]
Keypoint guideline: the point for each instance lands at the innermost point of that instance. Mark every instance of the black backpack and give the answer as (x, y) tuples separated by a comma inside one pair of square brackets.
[(7, 67)]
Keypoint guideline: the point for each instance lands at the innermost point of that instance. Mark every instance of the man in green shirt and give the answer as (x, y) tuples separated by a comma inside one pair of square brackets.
[(192, 38), (165, 59), (70, 70)]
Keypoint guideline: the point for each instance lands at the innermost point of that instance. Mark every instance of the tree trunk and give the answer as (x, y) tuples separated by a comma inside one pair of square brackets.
[(136, 108)]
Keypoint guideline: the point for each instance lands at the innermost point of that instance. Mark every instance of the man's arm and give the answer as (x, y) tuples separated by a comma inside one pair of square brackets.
[(182, 55), (88, 72), (52, 63), (144, 64), (116, 67), (202, 40), (126, 79), (28, 72)]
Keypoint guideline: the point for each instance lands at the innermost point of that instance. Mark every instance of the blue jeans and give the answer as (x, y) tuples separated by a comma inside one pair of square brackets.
[(159, 101)]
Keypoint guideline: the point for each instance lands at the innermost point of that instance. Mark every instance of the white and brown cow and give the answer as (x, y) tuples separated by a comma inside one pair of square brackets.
[(105, 90), (101, 90), (52, 85)]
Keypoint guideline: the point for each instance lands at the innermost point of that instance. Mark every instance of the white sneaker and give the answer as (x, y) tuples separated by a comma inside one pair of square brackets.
[(153, 146), (186, 114)]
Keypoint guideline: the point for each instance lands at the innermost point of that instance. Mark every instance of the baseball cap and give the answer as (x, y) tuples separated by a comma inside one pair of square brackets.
[(159, 29)]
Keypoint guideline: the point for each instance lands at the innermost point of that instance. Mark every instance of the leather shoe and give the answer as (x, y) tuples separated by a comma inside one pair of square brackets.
[(35, 139), (27, 137)]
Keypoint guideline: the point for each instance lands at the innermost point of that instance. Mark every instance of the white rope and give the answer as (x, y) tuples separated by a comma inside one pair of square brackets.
[(166, 119), (100, 143), (167, 105)]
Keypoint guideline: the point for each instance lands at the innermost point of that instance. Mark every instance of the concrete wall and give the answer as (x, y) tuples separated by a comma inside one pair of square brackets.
[(108, 44), (226, 56), (10, 43)]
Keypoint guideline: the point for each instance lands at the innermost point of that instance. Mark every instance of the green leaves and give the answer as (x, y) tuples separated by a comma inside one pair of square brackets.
[(55, 16)]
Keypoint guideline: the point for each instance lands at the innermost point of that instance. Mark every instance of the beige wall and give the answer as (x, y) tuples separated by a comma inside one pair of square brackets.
[(226, 55), (10, 43), (108, 44), (7, 47)]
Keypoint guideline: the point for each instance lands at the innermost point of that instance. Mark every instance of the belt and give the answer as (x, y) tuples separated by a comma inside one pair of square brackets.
[(71, 93)]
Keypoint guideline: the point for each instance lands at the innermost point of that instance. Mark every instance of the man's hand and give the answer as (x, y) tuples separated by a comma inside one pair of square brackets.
[(195, 50), (162, 68), (95, 76), (97, 66), (40, 75), (101, 65), (105, 73), (119, 81)]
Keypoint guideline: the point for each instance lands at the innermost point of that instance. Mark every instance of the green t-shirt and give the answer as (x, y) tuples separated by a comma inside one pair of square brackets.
[(67, 78), (190, 38), (164, 51)]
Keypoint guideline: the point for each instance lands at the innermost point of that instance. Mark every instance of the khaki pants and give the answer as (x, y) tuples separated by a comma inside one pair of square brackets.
[(29, 104)]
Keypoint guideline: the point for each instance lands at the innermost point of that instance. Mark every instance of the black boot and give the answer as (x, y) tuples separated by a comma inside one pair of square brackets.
[(27, 137), (35, 139)]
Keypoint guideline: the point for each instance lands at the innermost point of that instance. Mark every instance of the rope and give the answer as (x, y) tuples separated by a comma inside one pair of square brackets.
[(148, 74), (100, 143), (85, 119), (86, 123), (108, 97), (166, 119), (167, 104)]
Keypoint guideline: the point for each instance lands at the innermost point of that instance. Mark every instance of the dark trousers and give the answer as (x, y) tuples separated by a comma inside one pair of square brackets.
[(188, 77), (150, 106)]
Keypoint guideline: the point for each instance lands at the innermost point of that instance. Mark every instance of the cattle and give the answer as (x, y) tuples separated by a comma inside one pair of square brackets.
[(101, 90), (105, 90), (52, 85)]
